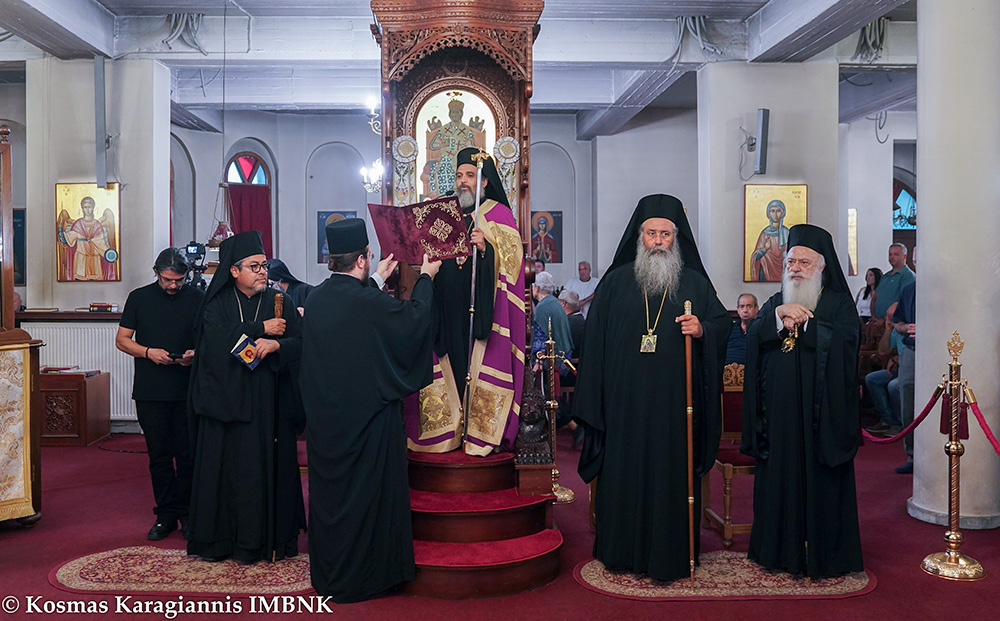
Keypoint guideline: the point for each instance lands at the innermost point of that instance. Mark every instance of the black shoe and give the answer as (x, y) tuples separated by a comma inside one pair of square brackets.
[(877, 428), (906, 468), (161, 529), (213, 559), (577, 437), (184, 530)]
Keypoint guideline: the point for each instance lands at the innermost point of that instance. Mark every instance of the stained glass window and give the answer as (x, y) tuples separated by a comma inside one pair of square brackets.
[(247, 168)]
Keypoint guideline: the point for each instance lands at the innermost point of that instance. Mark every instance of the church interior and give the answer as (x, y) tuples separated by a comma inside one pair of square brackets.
[(312, 109)]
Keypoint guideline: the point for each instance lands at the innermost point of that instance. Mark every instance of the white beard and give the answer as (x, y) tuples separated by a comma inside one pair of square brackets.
[(467, 199), (658, 270), (804, 292)]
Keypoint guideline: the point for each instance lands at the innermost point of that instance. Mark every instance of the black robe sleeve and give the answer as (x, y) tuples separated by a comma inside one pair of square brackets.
[(762, 331), (836, 417)]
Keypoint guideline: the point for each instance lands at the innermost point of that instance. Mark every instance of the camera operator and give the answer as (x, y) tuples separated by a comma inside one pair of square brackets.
[(157, 328), (196, 258)]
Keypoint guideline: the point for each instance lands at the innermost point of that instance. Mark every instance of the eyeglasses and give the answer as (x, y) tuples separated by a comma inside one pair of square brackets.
[(168, 281), (256, 268)]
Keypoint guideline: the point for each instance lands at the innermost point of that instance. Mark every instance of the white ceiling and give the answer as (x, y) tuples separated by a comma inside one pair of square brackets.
[(603, 60)]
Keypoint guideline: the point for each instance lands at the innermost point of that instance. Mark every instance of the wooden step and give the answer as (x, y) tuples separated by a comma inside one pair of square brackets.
[(481, 516), (485, 569), (458, 473)]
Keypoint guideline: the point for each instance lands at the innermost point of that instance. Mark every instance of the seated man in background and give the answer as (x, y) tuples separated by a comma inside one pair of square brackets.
[(736, 348)]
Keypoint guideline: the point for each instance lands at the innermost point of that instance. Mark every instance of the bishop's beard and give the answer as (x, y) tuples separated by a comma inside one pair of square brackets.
[(658, 269), (805, 292), (467, 199)]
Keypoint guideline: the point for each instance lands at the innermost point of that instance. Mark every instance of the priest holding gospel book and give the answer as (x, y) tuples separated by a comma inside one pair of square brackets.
[(498, 326), (363, 351), (246, 498)]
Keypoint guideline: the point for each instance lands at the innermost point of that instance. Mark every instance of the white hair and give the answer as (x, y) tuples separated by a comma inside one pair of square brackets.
[(658, 269), (545, 282)]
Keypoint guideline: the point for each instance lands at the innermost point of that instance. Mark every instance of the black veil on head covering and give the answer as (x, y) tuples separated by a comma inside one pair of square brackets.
[(659, 206), (232, 250), (494, 189), (279, 272), (818, 239)]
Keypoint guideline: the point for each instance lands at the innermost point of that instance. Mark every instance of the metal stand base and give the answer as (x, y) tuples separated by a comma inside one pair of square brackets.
[(953, 566)]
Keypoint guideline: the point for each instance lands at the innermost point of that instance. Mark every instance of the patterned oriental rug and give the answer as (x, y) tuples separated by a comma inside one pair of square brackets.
[(151, 570), (722, 575)]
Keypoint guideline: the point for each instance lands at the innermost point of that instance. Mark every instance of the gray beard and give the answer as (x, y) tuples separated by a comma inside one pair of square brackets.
[(657, 272), (466, 199), (805, 293)]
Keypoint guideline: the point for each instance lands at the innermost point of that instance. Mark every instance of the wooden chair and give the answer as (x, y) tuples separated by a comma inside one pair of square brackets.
[(730, 462)]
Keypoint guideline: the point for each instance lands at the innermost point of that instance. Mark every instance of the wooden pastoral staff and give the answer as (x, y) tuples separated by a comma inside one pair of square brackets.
[(457, 74)]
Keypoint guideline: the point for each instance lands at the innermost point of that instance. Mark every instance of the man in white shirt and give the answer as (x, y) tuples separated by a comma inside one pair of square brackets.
[(584, 286)]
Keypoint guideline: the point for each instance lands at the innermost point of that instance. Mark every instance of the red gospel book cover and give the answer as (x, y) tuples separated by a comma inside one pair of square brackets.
[(435, 227)]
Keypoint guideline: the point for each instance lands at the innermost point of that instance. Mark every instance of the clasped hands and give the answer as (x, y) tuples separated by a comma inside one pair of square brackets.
[(793, 314)]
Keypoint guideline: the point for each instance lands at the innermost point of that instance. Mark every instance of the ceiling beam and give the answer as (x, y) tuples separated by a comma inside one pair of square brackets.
[(637, 90), (64, 28), (796, 30), (877, 91)]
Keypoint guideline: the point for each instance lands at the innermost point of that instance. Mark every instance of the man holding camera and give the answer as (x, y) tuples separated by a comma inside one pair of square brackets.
[(157, 328)]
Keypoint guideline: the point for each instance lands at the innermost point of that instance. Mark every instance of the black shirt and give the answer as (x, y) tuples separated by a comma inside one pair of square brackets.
[(164, 321)]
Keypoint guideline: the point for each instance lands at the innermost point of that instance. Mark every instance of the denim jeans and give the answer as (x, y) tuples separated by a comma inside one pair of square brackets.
[(884, 393)]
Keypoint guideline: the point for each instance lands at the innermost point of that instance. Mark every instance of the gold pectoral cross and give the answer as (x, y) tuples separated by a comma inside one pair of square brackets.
[(788, 344), (648, 345)]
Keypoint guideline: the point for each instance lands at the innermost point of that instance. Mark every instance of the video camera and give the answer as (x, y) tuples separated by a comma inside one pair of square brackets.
[(195, 253)]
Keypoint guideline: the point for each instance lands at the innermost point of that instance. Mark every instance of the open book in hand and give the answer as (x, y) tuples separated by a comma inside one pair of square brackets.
[(246, 351), (434, 227)]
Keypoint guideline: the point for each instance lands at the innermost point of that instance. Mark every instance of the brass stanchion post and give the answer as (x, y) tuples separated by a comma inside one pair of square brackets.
[(564, 495), (952, 564)]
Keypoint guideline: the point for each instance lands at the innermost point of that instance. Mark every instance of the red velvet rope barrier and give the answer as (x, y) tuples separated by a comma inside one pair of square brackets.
[(986, 428), (910, 427)]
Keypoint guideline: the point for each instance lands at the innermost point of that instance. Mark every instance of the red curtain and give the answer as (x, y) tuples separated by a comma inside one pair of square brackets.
[(250, 206)]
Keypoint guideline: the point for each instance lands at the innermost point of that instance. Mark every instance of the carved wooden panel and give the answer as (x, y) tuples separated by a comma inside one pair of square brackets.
[(60, 413)]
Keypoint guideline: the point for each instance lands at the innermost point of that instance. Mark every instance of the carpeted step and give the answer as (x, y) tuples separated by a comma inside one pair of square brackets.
[(458, 473), (485, 569), (481, 516)]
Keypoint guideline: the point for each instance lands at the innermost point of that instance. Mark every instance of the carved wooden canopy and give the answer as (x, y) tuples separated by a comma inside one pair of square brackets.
[(409, 30)]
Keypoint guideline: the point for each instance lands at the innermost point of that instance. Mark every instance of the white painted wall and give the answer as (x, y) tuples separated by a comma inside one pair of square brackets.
[(655, 153), (561, 179), (60, 149), (866, 185), (802, 148)]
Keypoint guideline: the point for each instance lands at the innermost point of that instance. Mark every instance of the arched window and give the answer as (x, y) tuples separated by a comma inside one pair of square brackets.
[(248, 167)]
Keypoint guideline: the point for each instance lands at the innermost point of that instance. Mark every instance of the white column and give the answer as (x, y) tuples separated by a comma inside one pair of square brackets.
[(958, 267)]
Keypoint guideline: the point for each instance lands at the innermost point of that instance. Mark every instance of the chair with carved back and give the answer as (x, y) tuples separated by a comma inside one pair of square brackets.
[(730, 462)]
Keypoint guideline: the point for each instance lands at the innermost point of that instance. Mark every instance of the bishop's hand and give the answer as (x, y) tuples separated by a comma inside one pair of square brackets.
[(690, 326), (274, 327), (478, 239), (793, 314)]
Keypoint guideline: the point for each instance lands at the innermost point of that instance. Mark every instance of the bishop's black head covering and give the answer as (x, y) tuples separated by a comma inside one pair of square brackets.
[(494, 189), (818, 239), (659, 206), (348, 235), (278, 272), (232, 250)]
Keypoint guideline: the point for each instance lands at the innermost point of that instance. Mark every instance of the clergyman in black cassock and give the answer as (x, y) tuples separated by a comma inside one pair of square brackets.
[(800, 422), (246, 499), (633, 403), (363, 352)]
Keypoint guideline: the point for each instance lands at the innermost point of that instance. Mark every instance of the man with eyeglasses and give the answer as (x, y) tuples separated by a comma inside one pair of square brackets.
[(246, 500), (800, 416), (631, 392), (157, 328)]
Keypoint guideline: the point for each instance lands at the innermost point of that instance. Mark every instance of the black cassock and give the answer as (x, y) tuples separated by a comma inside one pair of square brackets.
[(246, 497), (634, 407), (452, 293), (363, 351), (800, 421)]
